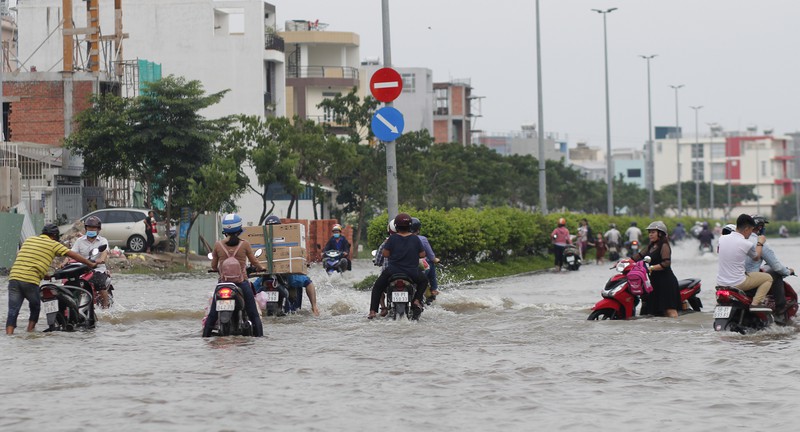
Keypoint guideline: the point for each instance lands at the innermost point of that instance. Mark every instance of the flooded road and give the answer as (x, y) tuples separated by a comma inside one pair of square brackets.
[(511, 354)]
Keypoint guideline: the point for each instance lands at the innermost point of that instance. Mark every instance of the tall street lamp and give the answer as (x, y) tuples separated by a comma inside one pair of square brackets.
[(609, 164), (678, 147), (695, 155), (650, 157), (542, 165)]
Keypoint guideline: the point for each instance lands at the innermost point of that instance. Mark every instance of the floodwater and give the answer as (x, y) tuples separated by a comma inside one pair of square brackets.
[(512, 354)]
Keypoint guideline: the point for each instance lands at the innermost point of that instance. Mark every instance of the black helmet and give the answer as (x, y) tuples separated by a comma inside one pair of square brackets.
[(273, 220), (612, 225), (51, 230), (415, 225), (760, 220), (633, 223), (93, 221), (402, 220)]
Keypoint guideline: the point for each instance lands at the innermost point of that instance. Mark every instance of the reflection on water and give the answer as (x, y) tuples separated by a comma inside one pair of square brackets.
[(507, 354)]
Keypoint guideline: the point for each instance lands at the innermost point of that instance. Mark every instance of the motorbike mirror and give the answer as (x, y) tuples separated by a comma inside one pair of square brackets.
[(259, 252), (374, 252), (210, 256), (647, 259)]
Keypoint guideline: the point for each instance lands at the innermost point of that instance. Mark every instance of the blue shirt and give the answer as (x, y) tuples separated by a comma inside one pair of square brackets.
[(429, 255), (768, 255)]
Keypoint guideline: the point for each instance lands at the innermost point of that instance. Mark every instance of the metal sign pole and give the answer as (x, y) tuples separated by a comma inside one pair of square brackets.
[(391, 156)]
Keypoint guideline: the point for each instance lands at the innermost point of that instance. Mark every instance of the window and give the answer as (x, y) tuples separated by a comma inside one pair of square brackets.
[(228, 21), (409, 83), (698, 170), (441, 99), (328, 116), (634, 173), (763, 168), (697, 151), (717, 150), (718, 171)]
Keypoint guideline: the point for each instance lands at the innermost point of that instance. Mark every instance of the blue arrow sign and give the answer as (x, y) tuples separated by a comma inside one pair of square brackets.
[(387, 124)]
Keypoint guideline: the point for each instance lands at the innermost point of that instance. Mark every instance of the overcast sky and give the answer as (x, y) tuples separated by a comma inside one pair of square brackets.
[(736, 58)]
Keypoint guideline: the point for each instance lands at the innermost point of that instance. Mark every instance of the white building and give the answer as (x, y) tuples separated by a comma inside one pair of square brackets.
[(765, 162), (223, 44)]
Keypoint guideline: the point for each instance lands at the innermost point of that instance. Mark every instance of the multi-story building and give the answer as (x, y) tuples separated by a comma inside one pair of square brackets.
[(320, 65), (524, 142), (765, 162), (452, 112)]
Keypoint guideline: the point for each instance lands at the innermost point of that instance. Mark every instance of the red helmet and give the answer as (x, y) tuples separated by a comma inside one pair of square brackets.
[(562, 221)]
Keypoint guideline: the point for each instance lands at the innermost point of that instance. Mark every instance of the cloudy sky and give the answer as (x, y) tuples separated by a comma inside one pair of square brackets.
[(735, 58)]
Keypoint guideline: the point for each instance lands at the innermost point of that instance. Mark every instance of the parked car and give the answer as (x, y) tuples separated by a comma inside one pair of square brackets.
[(124, 227)]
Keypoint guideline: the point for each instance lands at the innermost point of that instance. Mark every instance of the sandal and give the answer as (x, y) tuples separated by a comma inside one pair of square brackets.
[(371, 315), (384, 311)]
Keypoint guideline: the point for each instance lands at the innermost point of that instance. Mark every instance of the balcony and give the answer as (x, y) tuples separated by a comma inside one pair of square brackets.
[(345, 72), (273, 42)]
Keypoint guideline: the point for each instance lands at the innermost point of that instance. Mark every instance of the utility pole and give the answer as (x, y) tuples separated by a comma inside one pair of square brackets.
[(609, 161), (650, 163), (694, 159), (678, 147), (391, 155)]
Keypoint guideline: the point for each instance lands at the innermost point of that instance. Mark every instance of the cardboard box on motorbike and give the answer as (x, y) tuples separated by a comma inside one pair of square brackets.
[(284, 246)]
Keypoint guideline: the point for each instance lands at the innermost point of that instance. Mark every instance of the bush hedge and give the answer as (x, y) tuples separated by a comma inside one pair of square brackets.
[(468, 235)]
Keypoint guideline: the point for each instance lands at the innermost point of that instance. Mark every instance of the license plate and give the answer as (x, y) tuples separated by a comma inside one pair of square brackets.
[(400, 297), (722, 311), (570, 259), (50, 307), (226, 305), (272, 296)]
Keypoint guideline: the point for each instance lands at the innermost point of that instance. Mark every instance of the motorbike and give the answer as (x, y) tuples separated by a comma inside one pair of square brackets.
[(399, 297), (619, 303), (228, 299), (734, 311), (572, 257), (277, 297), (334, 261), (69, 305), (706, 247), (633, 248), (613, 251)]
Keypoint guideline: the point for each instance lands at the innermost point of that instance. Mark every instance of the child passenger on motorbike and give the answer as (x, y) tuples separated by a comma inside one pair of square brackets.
[(84, 246), (404, 251), (232, 227)]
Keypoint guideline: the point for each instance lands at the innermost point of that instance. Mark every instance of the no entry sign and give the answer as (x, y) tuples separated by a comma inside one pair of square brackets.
[(386, 84)]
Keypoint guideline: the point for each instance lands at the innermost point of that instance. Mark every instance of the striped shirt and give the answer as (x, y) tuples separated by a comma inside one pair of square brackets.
[(34, 259)]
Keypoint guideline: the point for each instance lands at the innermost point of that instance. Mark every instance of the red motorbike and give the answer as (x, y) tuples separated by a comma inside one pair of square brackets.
[(619, 303), (734, 311)]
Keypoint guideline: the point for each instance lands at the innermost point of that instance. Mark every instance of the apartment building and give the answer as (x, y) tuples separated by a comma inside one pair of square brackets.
[(452, 111)]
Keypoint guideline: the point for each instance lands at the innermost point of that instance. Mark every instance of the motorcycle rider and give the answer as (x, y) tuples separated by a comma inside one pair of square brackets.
[(339, 243), (32, 263), (679, 233), (734, 251), (84, 246), (633, 233), (232, 227), (613, 237), (561, 239), (404, 251), (705, 236), (430, 257), (777, 270), (783, 231)]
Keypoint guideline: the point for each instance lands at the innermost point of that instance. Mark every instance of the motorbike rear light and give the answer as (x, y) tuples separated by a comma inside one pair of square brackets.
[(400, 283), (268, 283), (48, 294), (723, 293), (225, 293)]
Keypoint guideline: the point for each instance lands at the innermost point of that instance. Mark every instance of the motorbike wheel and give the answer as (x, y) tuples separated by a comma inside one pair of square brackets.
[(246, 327), (602, 314), (225, 329), (695, 303), (399, 309), (726, 324)]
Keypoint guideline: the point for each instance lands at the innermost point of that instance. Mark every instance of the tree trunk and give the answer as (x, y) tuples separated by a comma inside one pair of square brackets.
[(314, 203), (291, 205)]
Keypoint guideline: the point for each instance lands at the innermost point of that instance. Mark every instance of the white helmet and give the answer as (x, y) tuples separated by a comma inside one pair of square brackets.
[(392, 229), (659, 226)]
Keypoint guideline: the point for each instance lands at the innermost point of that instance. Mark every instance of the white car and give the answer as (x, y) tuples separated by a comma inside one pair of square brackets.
[(124, 227)]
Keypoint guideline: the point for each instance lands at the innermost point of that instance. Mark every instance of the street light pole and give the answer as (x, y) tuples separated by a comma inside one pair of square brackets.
[(609, 162), (694, 157), (542, 165), (650, 163), (678, 148)]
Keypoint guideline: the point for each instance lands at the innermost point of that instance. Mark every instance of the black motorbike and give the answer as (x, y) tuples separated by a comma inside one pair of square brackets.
[(572, 257), (400, 297), (334, 261), (281, 299), (69, 305)]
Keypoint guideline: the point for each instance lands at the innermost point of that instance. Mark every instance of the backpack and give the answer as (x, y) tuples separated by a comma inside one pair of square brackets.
[(231, 270), (638, 283)]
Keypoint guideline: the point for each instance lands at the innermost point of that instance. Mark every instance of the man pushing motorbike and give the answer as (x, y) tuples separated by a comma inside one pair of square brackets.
[(403, 249)]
